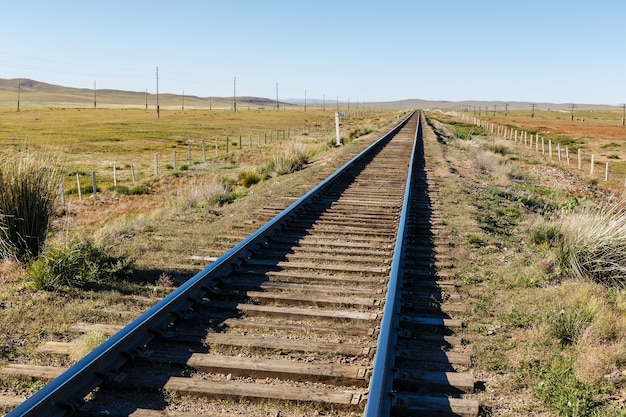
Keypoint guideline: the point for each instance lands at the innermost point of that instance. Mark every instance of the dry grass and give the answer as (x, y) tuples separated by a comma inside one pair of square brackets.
[(86, 343), (544, 342), (160, 231), (11, 271), (493, 164)]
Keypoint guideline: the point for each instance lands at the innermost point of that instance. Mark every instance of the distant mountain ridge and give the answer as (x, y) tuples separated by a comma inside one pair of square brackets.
[(33, 93)]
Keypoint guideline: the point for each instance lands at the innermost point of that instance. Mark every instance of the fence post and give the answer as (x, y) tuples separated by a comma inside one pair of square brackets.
[(550, 148), (156, 164), (189, 155), (80, 192), (579, 160), (175, 162), (226, 144), (217, 147), (114, 176), (239, 141), (592, 164), (203, 151), (93, 181), (606, 171), (132, 172)]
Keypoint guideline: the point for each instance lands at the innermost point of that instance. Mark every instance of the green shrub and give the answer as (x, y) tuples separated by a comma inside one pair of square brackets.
[(142, 189), (359, 132), (121, 189), (137, 190), (73, 265), (567, 322), (29, 188), (545, 233), (249, 178), (557, 386)]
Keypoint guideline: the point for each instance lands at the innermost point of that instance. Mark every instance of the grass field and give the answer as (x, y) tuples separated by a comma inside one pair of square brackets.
[(594, 132), (541, 340), (190, 216), (546, 331)]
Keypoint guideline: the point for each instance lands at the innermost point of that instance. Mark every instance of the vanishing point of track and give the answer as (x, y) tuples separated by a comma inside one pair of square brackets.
[(336, 302)]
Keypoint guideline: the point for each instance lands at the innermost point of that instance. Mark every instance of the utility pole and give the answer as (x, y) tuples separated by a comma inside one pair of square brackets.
[(277, 107), (157, 83), (94, 94), (324, 102), (494, 109), (572, 115), (19, 87), (533, 113), (183, 108), (623, 114), (146, 99), (506, 109), (235, 95), (305, 100)]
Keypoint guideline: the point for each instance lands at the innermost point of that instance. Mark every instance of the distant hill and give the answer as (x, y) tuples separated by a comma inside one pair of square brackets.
[(36, 93)]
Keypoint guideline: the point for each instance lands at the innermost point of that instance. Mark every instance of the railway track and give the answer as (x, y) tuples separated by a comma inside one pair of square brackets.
[(297, 313)]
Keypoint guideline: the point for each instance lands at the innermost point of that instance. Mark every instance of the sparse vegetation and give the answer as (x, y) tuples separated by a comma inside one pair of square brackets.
[(289, 160), (86, 343), (548, 335)]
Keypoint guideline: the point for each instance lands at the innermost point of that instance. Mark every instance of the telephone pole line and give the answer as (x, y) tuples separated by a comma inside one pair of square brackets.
[(157, 94), (533, 113), (19, 87), (235, 95)]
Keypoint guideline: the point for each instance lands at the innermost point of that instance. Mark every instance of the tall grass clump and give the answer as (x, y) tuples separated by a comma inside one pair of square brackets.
[(248, 178), (492, 163), (593, 244), (198, 193), (290, 160), (28, 194)]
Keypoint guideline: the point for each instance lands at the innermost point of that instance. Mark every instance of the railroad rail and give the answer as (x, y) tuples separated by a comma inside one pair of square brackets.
[(334, 302)]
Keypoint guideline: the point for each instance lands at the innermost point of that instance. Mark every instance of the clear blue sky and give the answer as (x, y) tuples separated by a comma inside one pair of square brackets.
[(538, 51)]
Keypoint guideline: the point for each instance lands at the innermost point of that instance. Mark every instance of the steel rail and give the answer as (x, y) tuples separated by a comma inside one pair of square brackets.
[(63, 395), (379, 396)]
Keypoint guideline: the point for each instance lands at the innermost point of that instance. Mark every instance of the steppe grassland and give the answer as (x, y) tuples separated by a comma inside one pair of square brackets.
[(594, 132), (544, 340), (96, 139), (155, 230)]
